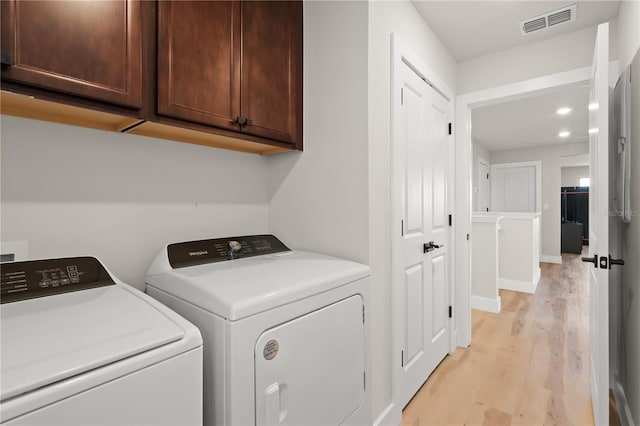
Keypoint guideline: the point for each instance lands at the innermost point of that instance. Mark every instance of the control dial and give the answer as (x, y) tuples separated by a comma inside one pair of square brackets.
[(234, 247)]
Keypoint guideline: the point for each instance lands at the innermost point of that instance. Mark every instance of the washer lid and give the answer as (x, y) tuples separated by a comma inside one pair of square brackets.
[(240, 288), (52, 338)]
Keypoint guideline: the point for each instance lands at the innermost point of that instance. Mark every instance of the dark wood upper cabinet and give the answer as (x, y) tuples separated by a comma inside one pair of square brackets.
[(234, 65), (199, 61), (91, 49), (271, 95), (217, 73)]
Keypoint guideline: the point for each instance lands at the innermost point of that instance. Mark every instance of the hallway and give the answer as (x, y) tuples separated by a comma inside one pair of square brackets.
[(527, 365)]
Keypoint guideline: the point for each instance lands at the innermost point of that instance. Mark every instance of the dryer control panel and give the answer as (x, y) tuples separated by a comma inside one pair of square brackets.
[(193, 253), (38, 278)]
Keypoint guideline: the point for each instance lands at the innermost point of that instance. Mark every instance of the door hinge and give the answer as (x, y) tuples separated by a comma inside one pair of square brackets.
[(364, 379), (401, 96), (487, 175), (450, 220), (449, 128), (402, 228), (468, 234), (401, 358), (450, 312), (363, 314)]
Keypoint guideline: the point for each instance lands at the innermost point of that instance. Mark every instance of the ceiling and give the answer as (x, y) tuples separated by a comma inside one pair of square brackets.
[(474, 28), (533, 121)]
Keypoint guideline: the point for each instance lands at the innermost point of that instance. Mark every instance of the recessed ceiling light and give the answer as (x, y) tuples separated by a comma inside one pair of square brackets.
[(593, 105), (564, 134), (593, 130), (564, 110)]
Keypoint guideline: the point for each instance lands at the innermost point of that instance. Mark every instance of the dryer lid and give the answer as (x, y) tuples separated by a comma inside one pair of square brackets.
[(52, 338), (244, 287)]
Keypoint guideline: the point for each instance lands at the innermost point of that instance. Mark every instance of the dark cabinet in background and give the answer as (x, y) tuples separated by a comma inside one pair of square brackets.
[(91, 49), (574, 202)]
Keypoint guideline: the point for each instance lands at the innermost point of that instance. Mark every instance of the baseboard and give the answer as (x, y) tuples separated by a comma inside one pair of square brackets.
[(550, 259), (389, 416), (486, 304), (518, 285), (624, 411)]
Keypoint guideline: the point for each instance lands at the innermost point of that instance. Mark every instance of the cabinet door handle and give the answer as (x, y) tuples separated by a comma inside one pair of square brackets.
[(248, 122), (240, 120)]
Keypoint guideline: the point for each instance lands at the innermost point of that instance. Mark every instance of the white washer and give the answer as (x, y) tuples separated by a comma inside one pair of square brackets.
[(286, 335), (79, 347)]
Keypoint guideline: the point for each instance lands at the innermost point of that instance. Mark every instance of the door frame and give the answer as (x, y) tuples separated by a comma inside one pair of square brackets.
[(401, 54), (464, 104)]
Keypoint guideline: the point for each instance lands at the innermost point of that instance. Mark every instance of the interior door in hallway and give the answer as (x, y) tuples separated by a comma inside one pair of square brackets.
[(421, 250), (483, 186), (599, 227)]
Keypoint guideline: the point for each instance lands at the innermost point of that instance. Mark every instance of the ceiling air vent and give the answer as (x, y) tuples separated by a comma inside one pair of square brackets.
[(566, 14)]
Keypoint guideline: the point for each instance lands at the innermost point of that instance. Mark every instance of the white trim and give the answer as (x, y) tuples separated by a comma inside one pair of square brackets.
[(486, 304), (391, 415), (622, 404), (538, 167), (520, 285), (547, 258), (463, 156), (486, 217)]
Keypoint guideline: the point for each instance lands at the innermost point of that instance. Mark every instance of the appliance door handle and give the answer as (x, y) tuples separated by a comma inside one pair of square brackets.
[(272, 404)]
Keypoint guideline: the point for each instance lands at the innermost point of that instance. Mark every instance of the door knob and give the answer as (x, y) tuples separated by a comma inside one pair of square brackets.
[(615, 262), (430, 246), (593, 260)]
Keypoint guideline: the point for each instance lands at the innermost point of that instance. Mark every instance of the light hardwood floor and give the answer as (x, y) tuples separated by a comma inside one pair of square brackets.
[(527, 365)]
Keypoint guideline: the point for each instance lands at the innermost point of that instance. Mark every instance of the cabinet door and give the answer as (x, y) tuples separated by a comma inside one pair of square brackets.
[(272, 69), (91, 49), (199, 61)]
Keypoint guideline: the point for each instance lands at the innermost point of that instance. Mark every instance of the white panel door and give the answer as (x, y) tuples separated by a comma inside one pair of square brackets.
[(483, 187), (513, 189), (310, 371), (421, 256), (599, 227)]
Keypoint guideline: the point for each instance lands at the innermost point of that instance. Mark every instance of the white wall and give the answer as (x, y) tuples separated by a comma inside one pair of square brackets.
[(71, 191), (562, 53), (386, 17), (628, 33), (551, 157), (318, 199), (479, 152), (570, 176), (630, 348), (628, 45)]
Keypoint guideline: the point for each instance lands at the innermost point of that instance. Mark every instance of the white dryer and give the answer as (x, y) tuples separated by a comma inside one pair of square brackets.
[(286, 335), (79, 347)]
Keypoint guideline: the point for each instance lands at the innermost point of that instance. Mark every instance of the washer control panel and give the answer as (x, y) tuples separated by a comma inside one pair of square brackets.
[(38, 278), (200, 252)]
